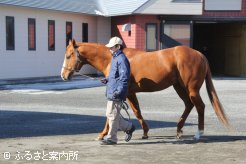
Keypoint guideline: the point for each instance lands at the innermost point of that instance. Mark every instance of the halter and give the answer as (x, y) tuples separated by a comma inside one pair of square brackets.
[(78, 61)]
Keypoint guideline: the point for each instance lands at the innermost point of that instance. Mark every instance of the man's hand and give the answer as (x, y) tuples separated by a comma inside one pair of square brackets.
[(116, 94), (104, 81)]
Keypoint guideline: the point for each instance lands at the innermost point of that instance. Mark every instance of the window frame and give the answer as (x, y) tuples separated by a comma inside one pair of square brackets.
[(30, 22), (51, 23), (67, 37), (10, 32), (164, 39), (85, 32), (146, 34)]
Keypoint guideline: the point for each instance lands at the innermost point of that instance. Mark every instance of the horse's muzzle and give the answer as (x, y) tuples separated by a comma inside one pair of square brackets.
[(65, 75)]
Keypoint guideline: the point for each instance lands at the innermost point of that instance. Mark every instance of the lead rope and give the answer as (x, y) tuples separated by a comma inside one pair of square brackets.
[(90, 77), (125, 106)]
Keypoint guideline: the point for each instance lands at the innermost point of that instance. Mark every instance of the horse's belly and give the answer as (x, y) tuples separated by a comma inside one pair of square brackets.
[(150, 80), (148, 85), (152, 86)]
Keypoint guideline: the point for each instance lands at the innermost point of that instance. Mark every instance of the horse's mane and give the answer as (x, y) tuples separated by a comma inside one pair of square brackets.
[(89, 44), (130, 52), (102, 45)]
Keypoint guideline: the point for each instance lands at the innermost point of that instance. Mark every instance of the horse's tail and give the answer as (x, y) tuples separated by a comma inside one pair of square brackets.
[(218, 108)]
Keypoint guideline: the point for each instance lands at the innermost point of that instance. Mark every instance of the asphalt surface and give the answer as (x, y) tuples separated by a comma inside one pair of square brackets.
[(65, 118)]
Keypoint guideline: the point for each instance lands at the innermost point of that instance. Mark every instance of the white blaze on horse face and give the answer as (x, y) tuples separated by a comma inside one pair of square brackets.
[(63, 66)]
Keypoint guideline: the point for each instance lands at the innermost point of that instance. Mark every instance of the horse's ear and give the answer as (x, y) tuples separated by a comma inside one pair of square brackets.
[(73, 43)]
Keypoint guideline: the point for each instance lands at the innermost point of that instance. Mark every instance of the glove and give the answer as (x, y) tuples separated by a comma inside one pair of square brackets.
[(104, 81)]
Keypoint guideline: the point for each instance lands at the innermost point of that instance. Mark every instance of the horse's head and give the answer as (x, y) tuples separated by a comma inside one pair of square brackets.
[(72, 61)]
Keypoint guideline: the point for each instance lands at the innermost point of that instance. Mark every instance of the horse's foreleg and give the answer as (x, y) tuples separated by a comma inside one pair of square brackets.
[(181, 91), (182, 120), (104, 132), (133, 101)]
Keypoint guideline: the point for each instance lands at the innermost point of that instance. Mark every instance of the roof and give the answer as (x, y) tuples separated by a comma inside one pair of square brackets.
[(106, 7), (122, 7), (75, 6)]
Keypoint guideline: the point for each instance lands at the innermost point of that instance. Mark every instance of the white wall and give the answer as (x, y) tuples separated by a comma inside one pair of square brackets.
[(103, 29), (22, 63)]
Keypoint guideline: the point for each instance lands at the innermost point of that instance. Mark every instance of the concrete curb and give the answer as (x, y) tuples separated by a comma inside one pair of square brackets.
[(52, 79)]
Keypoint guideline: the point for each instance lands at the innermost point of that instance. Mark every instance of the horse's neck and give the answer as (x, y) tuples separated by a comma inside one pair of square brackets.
[(100, 59)]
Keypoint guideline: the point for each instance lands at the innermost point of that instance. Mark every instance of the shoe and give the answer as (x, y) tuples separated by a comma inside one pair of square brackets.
[(129, 133), (108, 142)]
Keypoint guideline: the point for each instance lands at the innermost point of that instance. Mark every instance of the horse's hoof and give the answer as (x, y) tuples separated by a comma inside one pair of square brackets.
[(99, 138), (198, 134), (145, 137), (179, 134)]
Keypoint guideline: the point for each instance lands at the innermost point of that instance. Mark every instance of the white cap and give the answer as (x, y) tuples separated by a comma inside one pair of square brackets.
[(114, 41)]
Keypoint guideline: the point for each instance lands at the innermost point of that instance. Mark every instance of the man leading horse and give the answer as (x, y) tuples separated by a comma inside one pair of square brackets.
[(182, 67), (116, 92)]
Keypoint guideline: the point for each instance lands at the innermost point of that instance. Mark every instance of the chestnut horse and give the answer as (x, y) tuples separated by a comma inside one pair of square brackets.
[(182, 67)]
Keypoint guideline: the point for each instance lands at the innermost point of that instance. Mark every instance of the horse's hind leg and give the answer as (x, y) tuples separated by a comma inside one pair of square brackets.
[(181, 91), (200, 106), (133, 101)]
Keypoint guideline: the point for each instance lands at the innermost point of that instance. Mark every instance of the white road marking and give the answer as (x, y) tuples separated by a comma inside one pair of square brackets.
[(35, 91), (49, 88)]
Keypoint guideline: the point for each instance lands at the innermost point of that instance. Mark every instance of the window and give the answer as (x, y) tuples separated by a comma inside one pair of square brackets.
[(31, 34), (222, 5), (51, 35), (10, 33), (68, 32), (176, 34), (84, 32), (151, 37)]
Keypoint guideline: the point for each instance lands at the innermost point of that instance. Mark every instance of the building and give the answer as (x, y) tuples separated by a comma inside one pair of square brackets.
[(34, 33), (214, 27), (220, 33)]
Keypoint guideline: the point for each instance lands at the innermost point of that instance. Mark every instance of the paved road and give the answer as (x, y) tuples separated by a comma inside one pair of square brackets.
[(62, 118)]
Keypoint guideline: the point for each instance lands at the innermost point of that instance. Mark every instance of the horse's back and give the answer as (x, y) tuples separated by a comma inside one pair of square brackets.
[(158, 70), (151, 71)]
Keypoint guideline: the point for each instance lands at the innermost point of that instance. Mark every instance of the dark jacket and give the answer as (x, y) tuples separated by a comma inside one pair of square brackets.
[(118, 77)]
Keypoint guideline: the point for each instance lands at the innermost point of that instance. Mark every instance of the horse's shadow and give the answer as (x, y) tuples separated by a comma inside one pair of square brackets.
[(186, 139), (31, 124)]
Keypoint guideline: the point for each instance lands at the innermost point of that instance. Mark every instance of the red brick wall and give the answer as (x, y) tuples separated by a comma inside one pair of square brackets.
[(116, 26), (137, 37), (226, 13)]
